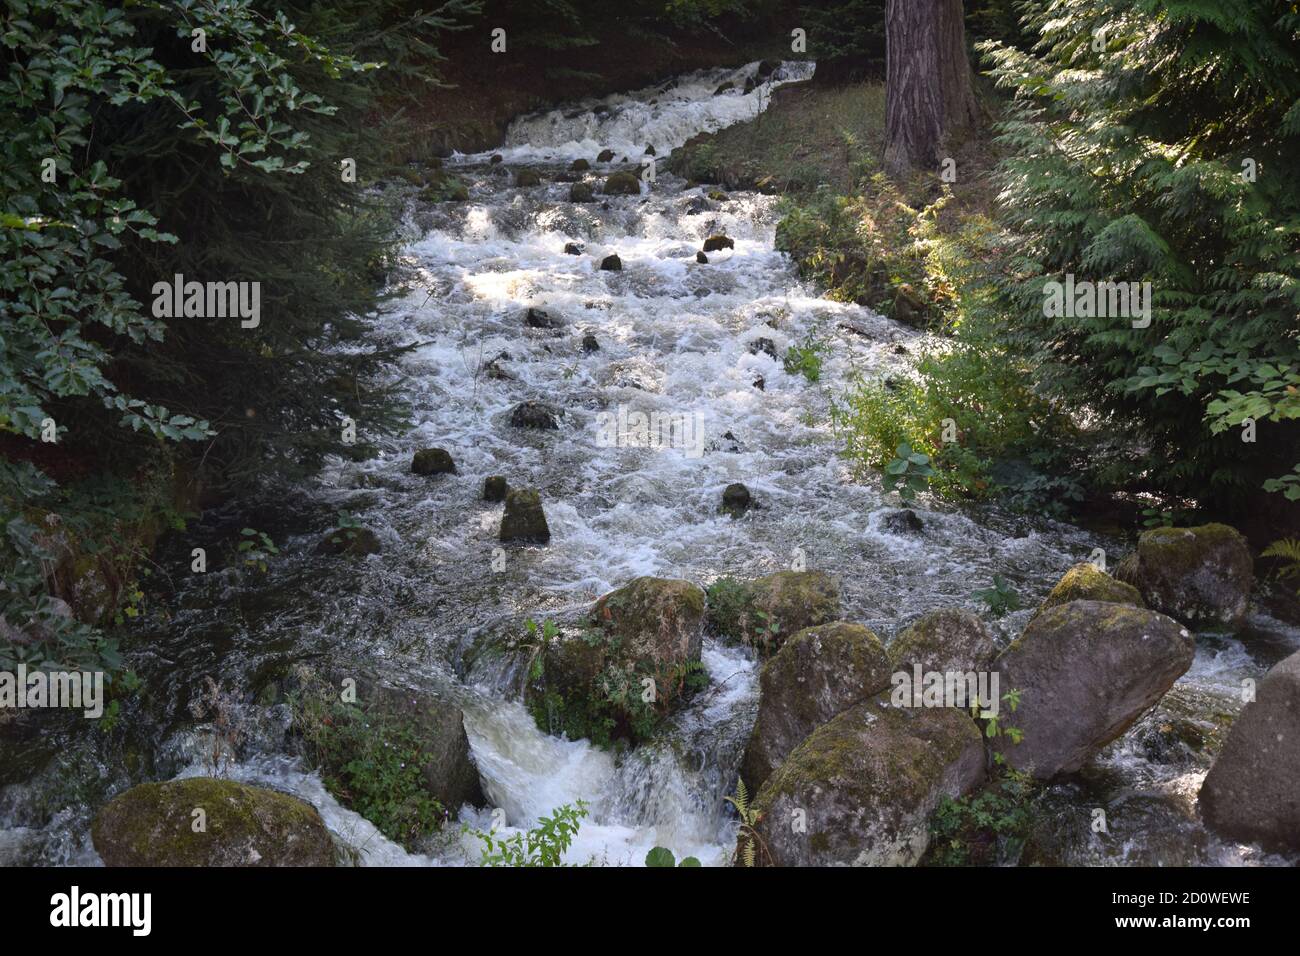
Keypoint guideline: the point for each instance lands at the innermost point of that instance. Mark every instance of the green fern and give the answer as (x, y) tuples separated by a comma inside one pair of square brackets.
[(1288, 551)]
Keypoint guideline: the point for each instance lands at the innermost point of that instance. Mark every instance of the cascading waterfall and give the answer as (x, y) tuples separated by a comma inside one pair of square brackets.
[(678, 338)]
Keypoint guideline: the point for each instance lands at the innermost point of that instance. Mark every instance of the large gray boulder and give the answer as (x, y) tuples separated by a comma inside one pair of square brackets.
[(1085, 671), (154, 824), (1200, 576), (860, 790), (1252, 792), (818, 673)]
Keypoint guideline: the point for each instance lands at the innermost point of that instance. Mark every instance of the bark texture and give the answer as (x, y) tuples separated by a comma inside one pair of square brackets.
[(929, 94)]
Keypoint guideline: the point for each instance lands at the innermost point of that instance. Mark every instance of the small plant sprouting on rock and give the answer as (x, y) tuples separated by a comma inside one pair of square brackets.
[(1001, 599), (255, 548), (908, 473), (345, 528), (805, 360), (663, 857), (996, 728), (543, 845), (748, 841)]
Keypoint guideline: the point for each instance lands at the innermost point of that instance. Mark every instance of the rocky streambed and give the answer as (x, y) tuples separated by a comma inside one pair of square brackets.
[(603, 427)]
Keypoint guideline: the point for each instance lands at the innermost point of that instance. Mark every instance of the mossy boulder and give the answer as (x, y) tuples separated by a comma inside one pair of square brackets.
[(581, 192), (622, 184), (636, 657), (1085, 671), (1085, 582), (524, 520), (443, 187), (526, 178), (864, 785), (153, 824), (950, 639), (432, 461), (580, 165), (1201, 576), (605, 156), (1252, 792), (818, 673), (786, 602)]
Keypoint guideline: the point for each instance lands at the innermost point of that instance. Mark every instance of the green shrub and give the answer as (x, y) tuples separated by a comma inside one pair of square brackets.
[(544, 845), (371, 762), (1155, 142)]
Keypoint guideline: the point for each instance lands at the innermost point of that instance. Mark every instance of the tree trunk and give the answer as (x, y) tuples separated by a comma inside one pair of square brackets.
[(928, 91)]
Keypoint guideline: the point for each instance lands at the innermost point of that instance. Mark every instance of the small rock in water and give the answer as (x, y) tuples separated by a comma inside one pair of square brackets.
[(580, 165), (611, 264), (589, 343), (534, 415), (581, 192), (494, 488), (496, 158), (723, 88), (622, 184), (903, 521), (760, 383), (605, 156), (649, 150), (527, 177), (701, 258), (524, 520), (715, 243), (493, 368), (736, 499), (572, 249), (354, 541), (540, 318), (763, 345), (717, 195), (433, 461), (696, 205)]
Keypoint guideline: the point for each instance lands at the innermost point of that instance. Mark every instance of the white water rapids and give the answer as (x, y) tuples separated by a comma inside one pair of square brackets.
[(676, 337)]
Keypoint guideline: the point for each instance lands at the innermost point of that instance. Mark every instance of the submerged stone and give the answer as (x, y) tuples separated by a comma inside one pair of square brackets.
[(524, 520)]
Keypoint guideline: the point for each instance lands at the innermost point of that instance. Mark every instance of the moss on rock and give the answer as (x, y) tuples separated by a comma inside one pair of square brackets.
[(1084, 582), (866, 783), (154, 824), (818, 673)]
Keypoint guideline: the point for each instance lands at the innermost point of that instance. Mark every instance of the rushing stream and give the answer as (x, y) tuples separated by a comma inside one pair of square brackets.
[(676, 337)]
